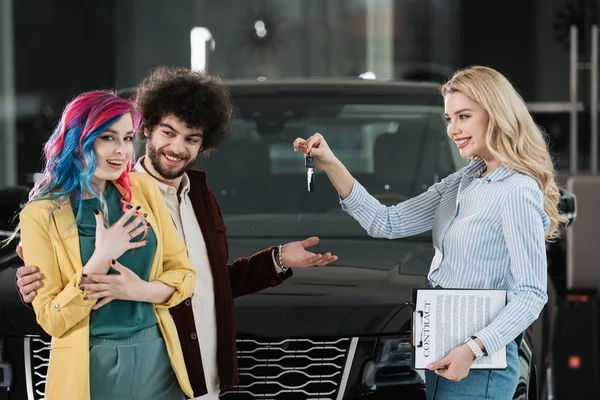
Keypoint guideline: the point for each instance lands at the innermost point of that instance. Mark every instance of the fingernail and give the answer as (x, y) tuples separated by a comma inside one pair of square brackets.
[(148, 223), (129, 207), (84, 275), (85, 297), (145, 215), (146, 242), (430, 366), (112, 262), (138, 207), (81, 287), (96, 212)]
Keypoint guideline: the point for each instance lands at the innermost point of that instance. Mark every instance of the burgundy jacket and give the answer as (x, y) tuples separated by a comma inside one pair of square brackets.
[(244, 276)]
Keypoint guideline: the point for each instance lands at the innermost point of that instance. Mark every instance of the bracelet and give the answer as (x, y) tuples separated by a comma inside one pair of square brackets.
[(474, 348), (280, 257), (484, 351)]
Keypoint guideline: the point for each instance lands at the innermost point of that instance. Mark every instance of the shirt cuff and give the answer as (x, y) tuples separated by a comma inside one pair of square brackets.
[(355, 199), (490, 339), (277, 267)]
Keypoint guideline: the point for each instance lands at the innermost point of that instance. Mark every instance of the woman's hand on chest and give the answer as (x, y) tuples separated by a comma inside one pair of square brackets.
[(112, 242), (124, 285)]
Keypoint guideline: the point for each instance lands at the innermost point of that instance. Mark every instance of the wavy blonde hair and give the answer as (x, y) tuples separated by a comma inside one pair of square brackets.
[(512, 136)]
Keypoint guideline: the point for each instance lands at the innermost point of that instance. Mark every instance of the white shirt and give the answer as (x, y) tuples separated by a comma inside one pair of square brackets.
[(203, 301)]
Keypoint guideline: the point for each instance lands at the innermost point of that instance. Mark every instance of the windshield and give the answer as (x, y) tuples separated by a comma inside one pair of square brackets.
[(394, 146)]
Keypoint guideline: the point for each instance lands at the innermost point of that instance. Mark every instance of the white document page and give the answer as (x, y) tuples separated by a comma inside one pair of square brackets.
[(444, 318)]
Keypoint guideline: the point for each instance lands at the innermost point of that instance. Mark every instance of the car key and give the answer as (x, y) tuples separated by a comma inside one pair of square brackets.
[(310, 163)]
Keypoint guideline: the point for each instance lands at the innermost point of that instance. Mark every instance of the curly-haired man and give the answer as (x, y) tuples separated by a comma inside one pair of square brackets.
[(186, 114)]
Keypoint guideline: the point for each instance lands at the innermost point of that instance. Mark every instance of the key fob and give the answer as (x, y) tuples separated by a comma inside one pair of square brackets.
[(310, 162), (310, 180)]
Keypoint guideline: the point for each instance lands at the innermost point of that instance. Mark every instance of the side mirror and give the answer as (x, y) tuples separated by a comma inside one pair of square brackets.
[(567, 206)]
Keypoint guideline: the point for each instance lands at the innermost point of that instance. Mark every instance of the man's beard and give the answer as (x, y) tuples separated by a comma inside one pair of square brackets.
[(155, 155)]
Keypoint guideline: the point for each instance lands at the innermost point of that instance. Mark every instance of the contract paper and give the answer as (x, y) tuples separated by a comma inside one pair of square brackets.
[(445, 318)]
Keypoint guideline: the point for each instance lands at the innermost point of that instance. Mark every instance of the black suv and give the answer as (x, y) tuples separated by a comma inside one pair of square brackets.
[(335, 332)]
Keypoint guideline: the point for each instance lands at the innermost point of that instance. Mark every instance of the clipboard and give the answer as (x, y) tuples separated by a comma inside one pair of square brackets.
[(435, 334)]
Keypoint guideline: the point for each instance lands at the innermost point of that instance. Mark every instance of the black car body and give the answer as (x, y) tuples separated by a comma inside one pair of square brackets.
[(335, 332)]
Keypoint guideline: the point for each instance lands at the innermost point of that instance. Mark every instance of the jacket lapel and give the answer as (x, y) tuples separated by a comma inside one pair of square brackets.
[(66, 228), (138, 198)]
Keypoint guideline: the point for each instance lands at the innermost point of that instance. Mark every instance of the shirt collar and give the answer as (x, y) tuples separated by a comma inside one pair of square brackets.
[(477, 166), (500, 174), (184, 188)]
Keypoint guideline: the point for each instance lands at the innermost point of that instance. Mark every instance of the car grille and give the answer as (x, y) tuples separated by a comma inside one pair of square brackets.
[(37, 355), (291, 369)]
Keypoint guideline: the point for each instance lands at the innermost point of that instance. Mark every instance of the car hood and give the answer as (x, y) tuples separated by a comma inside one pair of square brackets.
[(365, 292)]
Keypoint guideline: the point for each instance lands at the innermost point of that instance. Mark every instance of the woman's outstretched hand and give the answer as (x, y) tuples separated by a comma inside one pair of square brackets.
[(326, 161), (316, 146)]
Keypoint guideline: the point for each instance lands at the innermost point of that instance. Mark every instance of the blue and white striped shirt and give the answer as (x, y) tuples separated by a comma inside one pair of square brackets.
[(488, 233)]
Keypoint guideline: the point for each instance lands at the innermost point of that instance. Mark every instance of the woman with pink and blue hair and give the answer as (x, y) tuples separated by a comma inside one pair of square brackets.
[(110, 259)]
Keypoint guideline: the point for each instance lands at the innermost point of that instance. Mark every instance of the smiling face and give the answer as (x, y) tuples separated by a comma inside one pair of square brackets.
[(113, 149), (467, 125), (173, 147)]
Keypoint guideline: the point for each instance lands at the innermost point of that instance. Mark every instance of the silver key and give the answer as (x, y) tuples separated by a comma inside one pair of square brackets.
[(310, 163)]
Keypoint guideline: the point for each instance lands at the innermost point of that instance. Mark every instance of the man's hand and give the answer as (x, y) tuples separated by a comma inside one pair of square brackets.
[(28, 280), (125, 285), (455, 366), (294, 254)]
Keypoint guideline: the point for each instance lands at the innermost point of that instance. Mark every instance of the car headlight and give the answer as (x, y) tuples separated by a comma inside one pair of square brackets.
[(391, 365)]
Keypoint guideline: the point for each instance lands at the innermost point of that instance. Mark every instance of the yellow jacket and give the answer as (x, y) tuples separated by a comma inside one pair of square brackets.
[(53, 246)]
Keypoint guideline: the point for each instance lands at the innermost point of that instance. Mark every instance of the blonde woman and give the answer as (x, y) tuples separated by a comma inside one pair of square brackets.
[(489, 222)]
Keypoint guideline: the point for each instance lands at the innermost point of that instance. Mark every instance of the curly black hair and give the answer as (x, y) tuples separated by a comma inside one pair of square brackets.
[(198, 99)]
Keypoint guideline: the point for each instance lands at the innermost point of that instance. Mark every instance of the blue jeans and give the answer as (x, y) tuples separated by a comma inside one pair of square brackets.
[(479, 384)]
